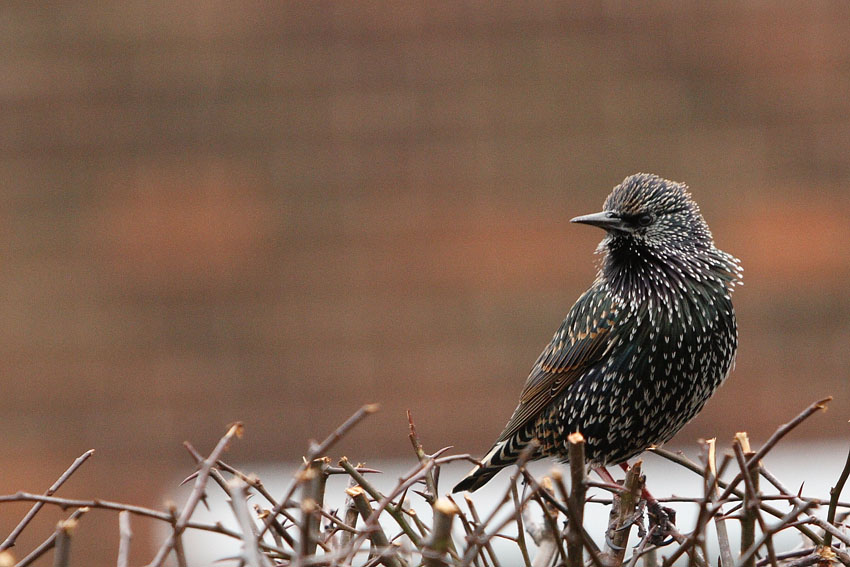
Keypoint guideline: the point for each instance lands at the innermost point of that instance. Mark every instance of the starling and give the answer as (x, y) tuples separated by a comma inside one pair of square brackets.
[(643, 349)]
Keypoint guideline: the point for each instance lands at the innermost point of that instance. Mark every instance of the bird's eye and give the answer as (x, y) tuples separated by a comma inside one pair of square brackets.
[(645, 219)]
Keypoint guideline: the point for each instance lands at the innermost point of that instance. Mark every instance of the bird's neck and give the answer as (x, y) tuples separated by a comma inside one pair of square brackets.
[(639, 274)]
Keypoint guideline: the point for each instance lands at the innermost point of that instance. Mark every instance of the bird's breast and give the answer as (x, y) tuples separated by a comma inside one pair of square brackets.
[(677, 338)]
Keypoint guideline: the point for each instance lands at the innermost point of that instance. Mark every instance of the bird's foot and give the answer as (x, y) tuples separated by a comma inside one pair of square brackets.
[(662, 523)]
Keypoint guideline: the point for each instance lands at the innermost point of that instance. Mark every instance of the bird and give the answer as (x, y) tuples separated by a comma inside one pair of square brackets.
[(642, 350)]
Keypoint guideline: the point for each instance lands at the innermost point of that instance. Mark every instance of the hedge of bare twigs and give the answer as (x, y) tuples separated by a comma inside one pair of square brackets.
[(296, 528)]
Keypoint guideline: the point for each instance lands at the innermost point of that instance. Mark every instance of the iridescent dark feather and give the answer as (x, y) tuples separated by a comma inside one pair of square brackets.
[(643, 349)]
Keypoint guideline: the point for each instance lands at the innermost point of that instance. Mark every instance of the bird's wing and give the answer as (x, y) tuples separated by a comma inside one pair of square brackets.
[(580, 342)]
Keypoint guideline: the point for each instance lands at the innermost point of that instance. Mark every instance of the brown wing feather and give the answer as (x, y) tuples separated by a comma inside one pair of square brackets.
[(581, 341)]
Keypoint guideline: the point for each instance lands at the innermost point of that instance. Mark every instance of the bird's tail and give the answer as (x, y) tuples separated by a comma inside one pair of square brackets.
[(503, 454), (476, 478)]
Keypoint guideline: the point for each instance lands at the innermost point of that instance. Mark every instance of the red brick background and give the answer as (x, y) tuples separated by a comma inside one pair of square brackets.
[(276, 213)]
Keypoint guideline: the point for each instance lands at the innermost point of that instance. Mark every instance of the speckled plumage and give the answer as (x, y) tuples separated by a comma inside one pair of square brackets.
[(643, 349)]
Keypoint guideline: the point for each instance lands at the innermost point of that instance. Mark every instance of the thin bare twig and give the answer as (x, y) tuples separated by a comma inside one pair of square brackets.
[(830, 529), (788, 555), (543, 536), (478, 539), (741, 447), (197, 493), (521, 543), (641, 548), (783, 522), (237, 489), (66, 503), (686, 544), (179, 552), (430, 494), (10, 540), (393, 510), (319, 450), (251, 480), (376, 534), (690, 465), (841, 555), (572, 516), (405, 482), (834, 494), (476, 519), (589, 545), (712, 492), (780, 432), (544, 498), (50, 542)]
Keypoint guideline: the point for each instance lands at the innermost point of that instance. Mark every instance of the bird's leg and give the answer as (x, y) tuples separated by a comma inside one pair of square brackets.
[(661, 516), (606, 477), (635, 519)]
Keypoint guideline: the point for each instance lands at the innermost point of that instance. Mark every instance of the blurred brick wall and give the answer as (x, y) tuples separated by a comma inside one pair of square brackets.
[(220, 211)]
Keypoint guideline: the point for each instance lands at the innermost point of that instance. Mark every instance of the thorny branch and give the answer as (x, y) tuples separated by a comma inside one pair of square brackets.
[(375, 527)]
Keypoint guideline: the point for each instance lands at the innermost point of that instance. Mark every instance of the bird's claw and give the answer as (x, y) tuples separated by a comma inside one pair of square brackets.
[(636, 519), (610, 542)]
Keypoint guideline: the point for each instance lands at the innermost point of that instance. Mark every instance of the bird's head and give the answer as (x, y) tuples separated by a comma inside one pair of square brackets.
[(652, 213), (656, 235)]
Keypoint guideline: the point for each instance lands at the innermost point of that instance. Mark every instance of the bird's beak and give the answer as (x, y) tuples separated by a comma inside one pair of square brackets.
[(605, 219)]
